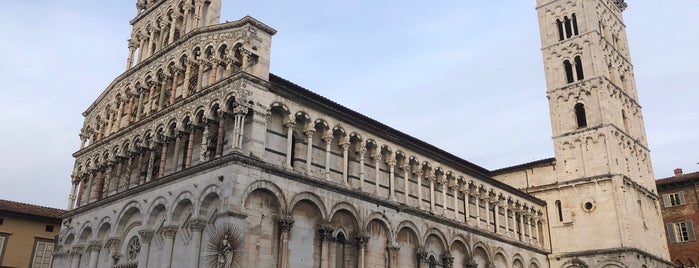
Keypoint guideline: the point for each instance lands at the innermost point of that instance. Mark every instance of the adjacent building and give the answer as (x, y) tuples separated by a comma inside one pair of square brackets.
[(28, 234), (680, 207), (198, 156)]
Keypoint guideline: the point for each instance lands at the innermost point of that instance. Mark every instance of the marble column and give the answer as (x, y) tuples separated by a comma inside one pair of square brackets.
[(169, 232), (309, 148), (94, 249), (419, 189), (406, 181), (443, 184), (421, 258), (432, 182), (146, 237), (204, 143), (197, 227), (239, 126), (75, 254), (151, 164), (326, 236), (377, 169), (289, 124), (362, 153), (393, 255), (284, 225), (447, 260), (190, 148), (391, 177), (328, 142), (361, 241), (163, 157), (345, 161)]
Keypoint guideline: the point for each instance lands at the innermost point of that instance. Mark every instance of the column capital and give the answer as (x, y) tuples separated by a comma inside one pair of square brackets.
[(170, 230), (285, 223), (112, 243), (422, 255), (447, 259), (94, 245), (309, 131), (197, 224), (146, 235), (326, 232), (361, 240), (76, 251)]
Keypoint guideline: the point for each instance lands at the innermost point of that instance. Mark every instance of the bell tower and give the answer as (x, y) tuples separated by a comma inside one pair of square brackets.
[(603, 204)]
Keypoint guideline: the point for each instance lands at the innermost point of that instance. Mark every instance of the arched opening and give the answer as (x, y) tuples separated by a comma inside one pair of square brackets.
[(559, 25), (568, 27), (579, 68), (575, 24), (580, 115), (569, 71)]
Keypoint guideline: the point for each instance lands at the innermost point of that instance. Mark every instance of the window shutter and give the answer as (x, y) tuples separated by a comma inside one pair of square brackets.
[(666, 200), (671, 232), (690, 231), (681, 195)]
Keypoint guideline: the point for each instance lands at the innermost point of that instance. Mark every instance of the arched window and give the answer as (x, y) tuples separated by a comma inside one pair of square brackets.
[(580, 115), (433, 262), (579, 68), (569, 71), (559, 210), (568, 27)]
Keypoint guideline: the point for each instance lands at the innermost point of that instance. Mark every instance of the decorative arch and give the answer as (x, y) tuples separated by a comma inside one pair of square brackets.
[(410, 225), (211, 191), (310, 197), (269, 186), (345, 206), (436, 232)]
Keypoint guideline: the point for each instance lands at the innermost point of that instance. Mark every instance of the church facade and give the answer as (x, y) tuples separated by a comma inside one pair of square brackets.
[(198, 156)]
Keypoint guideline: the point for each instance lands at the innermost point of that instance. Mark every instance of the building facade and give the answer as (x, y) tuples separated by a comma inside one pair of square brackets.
[(680, 207), (28, 234), (197, 156)]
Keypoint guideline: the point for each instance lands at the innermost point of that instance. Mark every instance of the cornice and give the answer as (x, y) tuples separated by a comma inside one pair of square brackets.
[(237, 158)]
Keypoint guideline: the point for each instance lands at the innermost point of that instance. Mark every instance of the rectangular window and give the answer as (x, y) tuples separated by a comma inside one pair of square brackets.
[(679, 232), (43, 253), (673, 199)]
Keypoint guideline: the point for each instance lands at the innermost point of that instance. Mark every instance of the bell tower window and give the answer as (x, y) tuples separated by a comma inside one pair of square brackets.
[(574, 75), (579, 68), (568, 27), (569, 71), (580, 115)]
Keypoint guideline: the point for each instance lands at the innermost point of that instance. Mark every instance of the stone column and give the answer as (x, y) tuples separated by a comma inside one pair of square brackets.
[(447, 260), (284, 224), (328, 142), (81, 191), (432, 181), (212, 73), (129, 172), (163, 156), (326, 236), (75, 253), (97, 182), (488, 207), (146, 237), (393, 256), (377, 169), (163, 89), (197, 226), (83, 138), (362, 153), (496, 211), (169, 232), (172, 29), (190, 148), (109, 190), (477, 198), (289, 124), (200, 76), (421, 258), (187, 76), (173, 89), (142, 48), (309, 152), (419, 188), (73, 189), (186, 19), (149, 169), (345, 160), (94, 249), (443, 183), (176, 163), (506, 206), (521, 226), (219, 136), (533, 231), (132, 50), (464, 188), (204, 142), (139, 105), (391, 177), (455, 190), (239, 126), (361, 241), (545, 233), (406, 174)]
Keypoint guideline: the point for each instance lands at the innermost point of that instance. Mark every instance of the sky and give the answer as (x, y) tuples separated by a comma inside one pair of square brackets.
[(465, 76)]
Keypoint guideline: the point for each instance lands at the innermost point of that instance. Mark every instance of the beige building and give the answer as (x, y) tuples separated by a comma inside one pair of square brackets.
[(197, 156), (27, 234)]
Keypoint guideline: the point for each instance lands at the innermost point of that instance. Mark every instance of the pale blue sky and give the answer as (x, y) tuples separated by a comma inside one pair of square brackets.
[(466, 76)]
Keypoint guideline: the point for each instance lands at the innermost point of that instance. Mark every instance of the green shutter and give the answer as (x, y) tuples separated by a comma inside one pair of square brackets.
[(690, 231), (671, 232), (666, 200), (681, 195)]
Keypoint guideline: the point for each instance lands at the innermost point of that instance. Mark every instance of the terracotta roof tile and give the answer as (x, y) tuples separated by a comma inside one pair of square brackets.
[(680, 178), (29, 209)]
